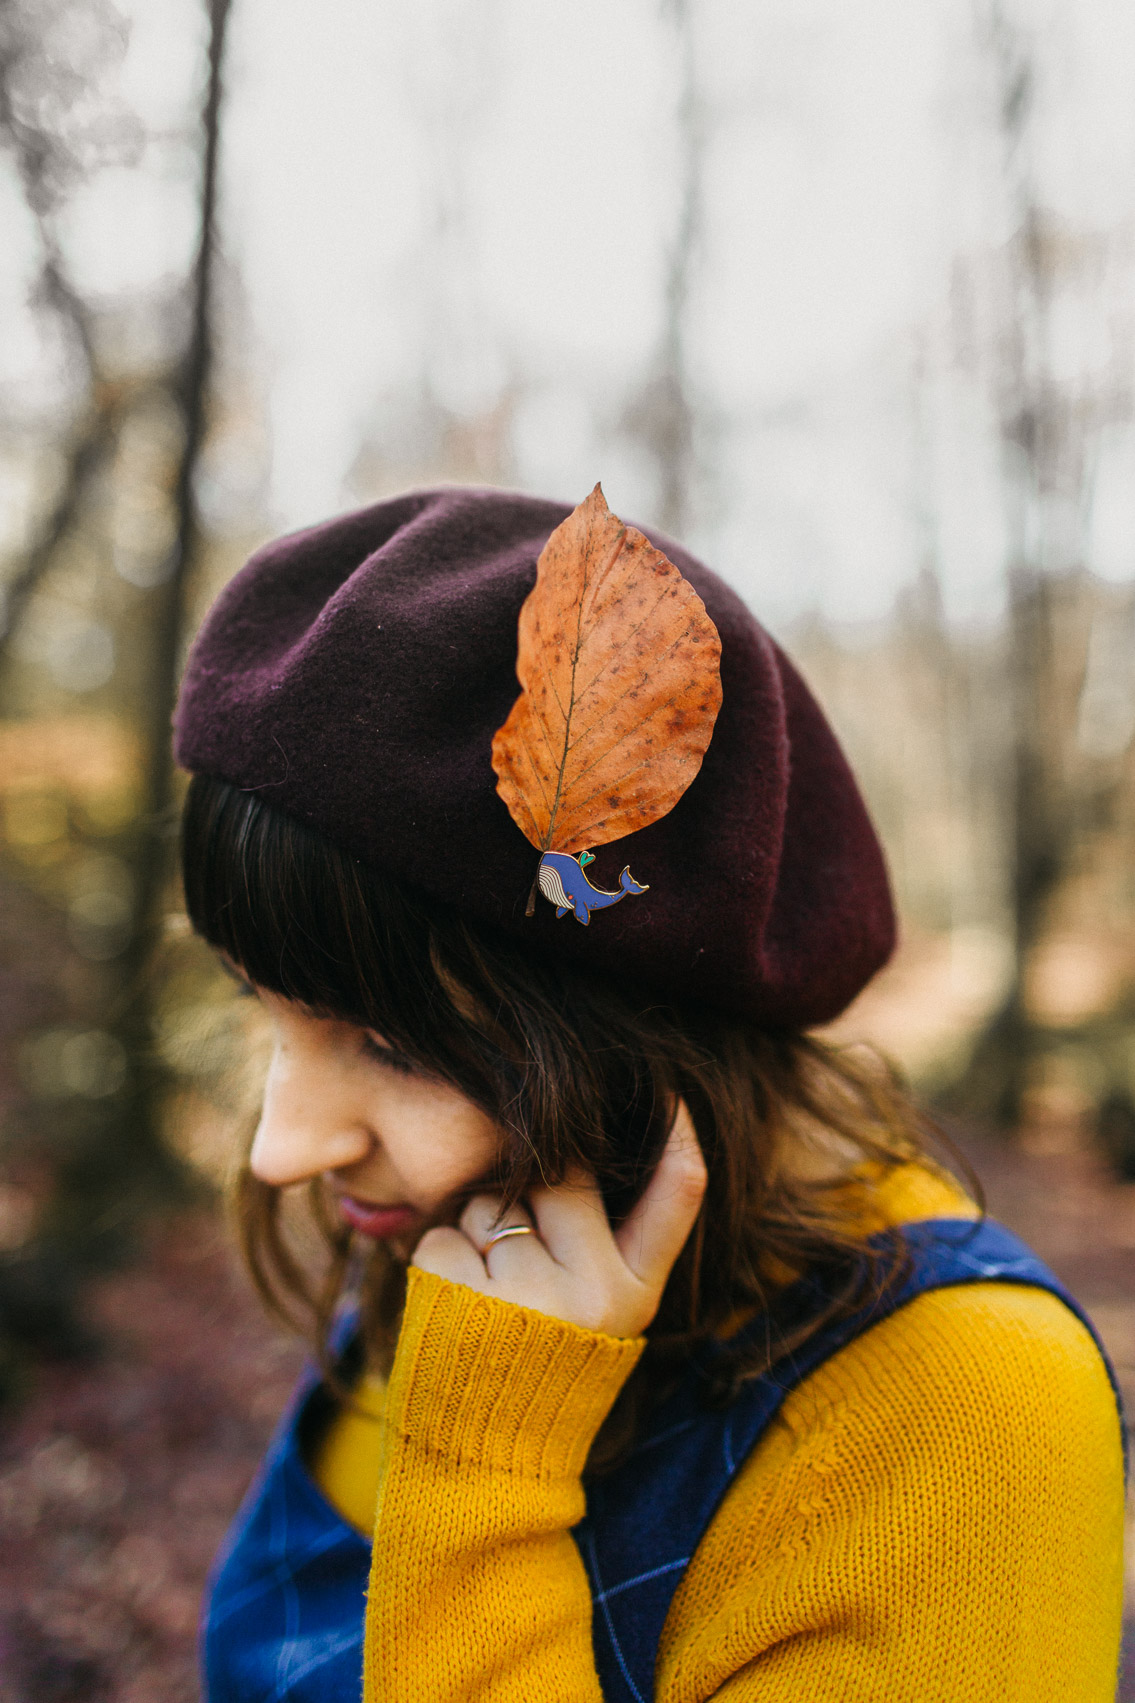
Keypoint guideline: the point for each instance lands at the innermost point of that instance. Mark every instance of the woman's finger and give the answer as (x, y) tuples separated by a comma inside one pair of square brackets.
[(654, 1232), (573, 1223), (482, 1218), (447, 1253)]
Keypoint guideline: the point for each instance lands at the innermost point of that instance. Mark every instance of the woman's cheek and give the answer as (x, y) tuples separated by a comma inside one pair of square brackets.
[(439, 1143), (463, 1152)]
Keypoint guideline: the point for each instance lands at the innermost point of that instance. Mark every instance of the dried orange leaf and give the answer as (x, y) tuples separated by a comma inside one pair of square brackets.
[(620, 670)]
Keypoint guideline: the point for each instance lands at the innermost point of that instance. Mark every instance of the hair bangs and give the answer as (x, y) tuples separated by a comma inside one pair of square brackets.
[(303, 919)]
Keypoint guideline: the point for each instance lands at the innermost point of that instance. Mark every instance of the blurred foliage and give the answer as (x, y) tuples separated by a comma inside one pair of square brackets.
[(925, 717)]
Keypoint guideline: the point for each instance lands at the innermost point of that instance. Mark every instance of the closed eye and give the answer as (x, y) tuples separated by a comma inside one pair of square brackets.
[(390, 1056)]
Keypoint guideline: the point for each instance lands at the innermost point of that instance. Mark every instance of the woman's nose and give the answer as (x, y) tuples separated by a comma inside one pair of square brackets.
[(309, 1122)]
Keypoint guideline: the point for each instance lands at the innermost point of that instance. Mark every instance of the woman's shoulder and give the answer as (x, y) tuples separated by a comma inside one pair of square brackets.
[(964, 1451), (988, 1389), (974, 1356), (949, 1486), (992, 1334), (990, 1356)]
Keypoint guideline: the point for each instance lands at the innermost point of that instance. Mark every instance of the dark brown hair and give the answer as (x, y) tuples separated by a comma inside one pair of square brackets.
[(575, 1070)]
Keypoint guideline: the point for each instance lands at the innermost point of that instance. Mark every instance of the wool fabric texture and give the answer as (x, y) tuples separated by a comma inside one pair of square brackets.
[(936, 1513), (355, 673)]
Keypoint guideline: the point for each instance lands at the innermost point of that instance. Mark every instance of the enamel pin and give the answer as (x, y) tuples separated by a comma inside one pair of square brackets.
[(563, 882)]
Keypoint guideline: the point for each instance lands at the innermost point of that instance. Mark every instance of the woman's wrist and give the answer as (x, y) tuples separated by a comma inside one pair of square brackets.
[(499, 1385)]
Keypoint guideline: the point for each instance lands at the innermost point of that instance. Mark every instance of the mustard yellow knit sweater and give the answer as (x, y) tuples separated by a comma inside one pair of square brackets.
[(936, 1514)]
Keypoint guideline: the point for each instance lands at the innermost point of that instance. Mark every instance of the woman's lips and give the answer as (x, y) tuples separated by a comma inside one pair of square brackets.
[(377, 1221)]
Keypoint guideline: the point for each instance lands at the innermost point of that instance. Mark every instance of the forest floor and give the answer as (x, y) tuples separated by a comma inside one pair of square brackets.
[(119, 1477)]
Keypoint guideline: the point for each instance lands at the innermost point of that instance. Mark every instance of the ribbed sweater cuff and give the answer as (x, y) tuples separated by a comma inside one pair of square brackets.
[(497, 1385)]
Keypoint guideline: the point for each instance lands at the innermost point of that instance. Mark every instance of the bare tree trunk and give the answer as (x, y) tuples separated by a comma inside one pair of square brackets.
[(114, 1165), (192, 394), (153, 1172), (1031, 443)]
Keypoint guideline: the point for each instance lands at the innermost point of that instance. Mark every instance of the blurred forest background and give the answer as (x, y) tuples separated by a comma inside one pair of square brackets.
[(841, 295)]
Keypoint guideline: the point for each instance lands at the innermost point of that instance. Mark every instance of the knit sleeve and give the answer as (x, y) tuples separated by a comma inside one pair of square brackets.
[(477, 1590), (937, 1514)]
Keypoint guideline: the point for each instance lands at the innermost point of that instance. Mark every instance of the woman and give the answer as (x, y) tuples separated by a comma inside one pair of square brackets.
[(659, 1359)]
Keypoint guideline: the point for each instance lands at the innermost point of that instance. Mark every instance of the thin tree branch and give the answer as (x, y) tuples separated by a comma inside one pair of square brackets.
[(192, 394), (88, 453)]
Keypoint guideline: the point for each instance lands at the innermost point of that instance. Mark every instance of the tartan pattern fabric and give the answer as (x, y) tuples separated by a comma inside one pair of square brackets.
[(284, 1607)]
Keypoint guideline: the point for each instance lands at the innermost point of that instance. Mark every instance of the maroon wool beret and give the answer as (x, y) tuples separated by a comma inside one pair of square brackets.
[(354, 674)]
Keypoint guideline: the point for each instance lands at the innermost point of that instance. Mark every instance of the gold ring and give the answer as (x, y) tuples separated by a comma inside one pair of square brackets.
[(508, 1230)]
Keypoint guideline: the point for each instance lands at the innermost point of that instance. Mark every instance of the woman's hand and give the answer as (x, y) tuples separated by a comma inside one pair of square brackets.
[(574, 1266)]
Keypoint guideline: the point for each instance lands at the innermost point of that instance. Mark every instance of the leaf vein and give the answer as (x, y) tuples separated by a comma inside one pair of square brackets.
[(615, 743), (598, 790), (535, 769), (571, 694), (671, 590), (597, 721), (616, 552), (538, 718)]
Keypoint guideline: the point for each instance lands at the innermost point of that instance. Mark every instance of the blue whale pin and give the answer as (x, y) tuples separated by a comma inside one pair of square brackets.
[(562, 880)]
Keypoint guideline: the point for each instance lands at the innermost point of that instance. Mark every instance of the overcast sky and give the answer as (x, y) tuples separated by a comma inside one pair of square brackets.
[(483, 197)]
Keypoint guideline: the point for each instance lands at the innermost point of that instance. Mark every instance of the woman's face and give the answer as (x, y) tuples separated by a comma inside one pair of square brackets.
[(394, 1145)]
